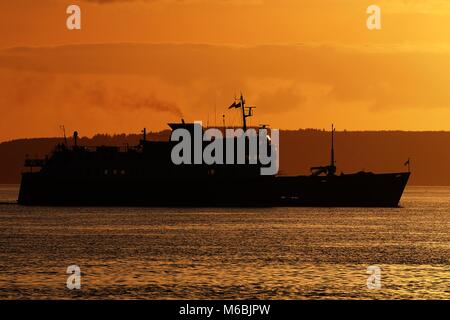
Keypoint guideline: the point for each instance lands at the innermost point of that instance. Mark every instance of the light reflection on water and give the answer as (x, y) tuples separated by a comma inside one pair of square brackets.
[(282, 253)]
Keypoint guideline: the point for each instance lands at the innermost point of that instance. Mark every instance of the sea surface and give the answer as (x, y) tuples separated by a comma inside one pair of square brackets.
[(280, 253)]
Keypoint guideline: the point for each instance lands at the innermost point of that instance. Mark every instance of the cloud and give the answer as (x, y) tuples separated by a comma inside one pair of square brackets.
[(36, 103), (118, 1), (99, 95), (434, 7), (246, 2), (389, 79), (123, 86)]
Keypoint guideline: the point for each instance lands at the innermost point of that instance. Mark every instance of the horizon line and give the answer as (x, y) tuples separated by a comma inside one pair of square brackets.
[(228, 127)]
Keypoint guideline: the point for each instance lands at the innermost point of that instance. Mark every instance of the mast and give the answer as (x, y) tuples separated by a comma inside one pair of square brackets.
[(332, 146), (241, 104), (329, 170), (244, 116), (332, 167)]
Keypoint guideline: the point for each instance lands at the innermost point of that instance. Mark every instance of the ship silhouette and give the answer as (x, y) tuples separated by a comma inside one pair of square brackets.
[(144, 175)]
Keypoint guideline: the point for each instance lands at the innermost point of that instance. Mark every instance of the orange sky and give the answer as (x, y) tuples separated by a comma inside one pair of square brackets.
[(139, 63)]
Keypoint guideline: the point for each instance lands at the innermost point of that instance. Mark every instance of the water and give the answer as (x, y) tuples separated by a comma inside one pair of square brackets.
[(285, 253)]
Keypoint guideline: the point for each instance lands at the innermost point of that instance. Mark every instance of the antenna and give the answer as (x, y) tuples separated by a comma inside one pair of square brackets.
[(64, 133), (332, 146), (215, 113)]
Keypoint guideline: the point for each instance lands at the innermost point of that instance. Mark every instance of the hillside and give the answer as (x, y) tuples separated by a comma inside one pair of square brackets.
[(372, 151)]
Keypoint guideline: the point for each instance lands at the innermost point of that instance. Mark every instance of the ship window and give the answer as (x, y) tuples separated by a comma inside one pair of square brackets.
[(122, 172), (114, 172), (106, 172)]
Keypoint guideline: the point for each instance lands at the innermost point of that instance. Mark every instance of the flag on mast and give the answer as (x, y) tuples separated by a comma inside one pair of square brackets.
[(408, 163), (235, 105)]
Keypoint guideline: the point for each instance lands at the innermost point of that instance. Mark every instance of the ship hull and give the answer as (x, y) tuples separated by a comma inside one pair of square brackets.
[(352, 190)]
